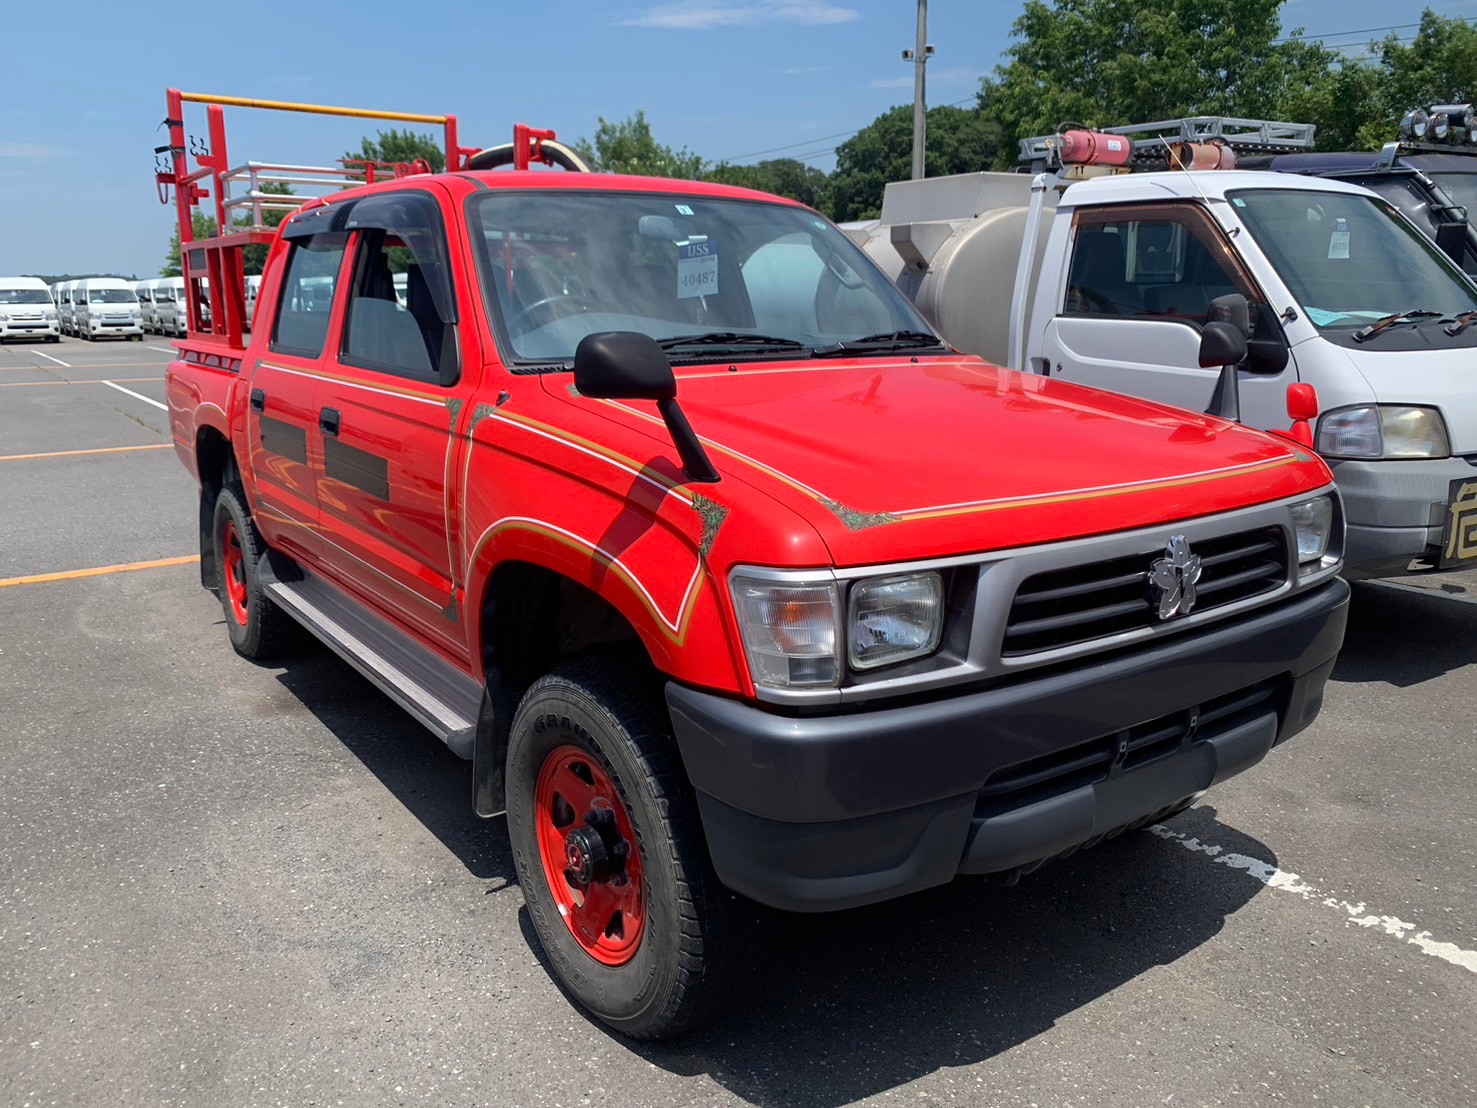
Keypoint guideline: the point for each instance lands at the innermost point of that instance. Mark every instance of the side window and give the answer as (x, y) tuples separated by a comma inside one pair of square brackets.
[(1164, 265), (301, 326), (400, 318)]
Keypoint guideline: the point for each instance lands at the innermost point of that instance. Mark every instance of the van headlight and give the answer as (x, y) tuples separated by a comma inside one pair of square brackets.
[(1312, 521), (1383, 431), (893, 619), (790, 632)]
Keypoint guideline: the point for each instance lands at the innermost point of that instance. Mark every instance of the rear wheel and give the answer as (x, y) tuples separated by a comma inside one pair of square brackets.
[(610, 853), (258, 629)]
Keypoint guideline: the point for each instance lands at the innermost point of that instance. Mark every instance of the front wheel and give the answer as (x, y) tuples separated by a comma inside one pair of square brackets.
[(610, 853), (258, 629)]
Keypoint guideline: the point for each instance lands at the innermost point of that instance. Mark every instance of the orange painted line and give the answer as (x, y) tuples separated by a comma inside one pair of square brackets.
[(116, 380), (78, 453), (100, 571)]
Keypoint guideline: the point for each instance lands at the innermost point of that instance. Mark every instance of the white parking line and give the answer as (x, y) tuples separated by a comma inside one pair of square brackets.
[(58, 361), (1439, 594), (138, 396), (1274, 878), (163, 349)]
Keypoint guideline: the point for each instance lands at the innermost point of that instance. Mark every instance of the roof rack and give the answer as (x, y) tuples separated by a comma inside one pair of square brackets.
[(1151, 141), (242, 202)]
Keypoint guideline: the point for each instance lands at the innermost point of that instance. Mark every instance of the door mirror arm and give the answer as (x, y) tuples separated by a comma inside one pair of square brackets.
[(628, 365)]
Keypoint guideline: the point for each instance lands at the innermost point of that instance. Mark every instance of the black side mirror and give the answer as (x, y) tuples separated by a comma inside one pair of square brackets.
[(1233, 309), (1221, 344), (627, 365), (1451, 240), (623, 365)]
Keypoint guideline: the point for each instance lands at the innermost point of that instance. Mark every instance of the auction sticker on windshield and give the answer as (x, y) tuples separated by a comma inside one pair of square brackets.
[(697, 269)]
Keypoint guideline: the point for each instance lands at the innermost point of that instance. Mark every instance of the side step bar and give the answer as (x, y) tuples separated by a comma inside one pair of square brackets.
[(432, 690)]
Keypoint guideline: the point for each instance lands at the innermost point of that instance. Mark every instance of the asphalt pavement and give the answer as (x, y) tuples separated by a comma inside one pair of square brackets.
[(230, 884)]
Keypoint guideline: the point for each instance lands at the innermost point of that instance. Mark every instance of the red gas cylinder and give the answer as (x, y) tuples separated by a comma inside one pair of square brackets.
[(1094, 148)]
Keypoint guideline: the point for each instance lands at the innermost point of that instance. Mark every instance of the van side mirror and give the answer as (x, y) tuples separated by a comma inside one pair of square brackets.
[(1233, 309), (1221, 344), (1451, 240), (627, 365)]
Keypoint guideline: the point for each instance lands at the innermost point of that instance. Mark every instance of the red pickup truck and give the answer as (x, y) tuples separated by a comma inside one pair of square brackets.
[(658, 502)]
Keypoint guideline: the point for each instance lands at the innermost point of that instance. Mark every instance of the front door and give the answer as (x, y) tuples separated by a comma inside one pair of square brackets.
[(386, 413), (1139, 285)]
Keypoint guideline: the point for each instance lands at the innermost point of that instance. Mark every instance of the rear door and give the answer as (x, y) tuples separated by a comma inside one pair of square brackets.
[(386, 415), (1138, 287), (282, 412)]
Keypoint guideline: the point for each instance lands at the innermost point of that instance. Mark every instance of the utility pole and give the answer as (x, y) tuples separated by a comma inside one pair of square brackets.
[(919, 56)]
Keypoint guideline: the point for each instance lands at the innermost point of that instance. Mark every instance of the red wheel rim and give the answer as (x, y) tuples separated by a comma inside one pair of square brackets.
[(591, 856), (235, 567)]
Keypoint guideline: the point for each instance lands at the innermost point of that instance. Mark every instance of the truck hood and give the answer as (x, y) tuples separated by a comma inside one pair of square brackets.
[(1443, 378), (903, 459)]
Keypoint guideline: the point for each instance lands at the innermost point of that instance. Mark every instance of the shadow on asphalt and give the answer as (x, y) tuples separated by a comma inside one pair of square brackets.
[(1403, 638), (414, 766), (848, 1005)]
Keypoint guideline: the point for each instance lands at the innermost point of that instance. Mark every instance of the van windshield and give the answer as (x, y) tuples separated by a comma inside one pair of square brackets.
[(24, 296), (558, 266), (111, 296), (1350, 259)]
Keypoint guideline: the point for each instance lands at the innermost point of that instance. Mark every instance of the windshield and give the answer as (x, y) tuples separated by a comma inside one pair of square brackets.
[(1350, 259), (24, 296), (111, 296), (558, 266)]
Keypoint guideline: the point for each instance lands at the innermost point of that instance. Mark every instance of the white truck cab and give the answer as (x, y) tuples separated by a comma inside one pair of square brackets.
[(1345, 294), (105, 307), (27, 310)]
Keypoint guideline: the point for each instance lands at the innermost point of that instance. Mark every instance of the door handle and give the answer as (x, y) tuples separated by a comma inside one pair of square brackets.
[(259, 399), (328, 421)]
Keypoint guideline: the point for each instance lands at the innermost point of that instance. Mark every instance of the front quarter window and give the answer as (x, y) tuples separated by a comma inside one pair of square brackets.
[(558, 265)]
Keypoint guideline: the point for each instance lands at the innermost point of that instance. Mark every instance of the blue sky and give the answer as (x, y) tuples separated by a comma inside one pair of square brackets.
[(727, 78)]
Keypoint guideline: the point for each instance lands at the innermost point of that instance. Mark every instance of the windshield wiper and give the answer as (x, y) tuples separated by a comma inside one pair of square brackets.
[(1364, 334), (730, 338), (1460, 323), (883, 341)]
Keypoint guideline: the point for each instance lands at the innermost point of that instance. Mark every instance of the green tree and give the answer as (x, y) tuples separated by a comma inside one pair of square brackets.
[(1111, 62), (628, 146), (960, 140), (203, 226), (401, 146), (1439, 66), (781, 176)]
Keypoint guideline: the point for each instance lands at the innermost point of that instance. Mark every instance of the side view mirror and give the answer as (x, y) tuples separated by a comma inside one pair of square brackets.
[(1451, 240), (1233, 309), (1221, 344), (628, 365)]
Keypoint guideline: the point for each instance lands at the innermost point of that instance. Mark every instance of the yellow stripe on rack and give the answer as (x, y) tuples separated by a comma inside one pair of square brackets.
[(312, 109)]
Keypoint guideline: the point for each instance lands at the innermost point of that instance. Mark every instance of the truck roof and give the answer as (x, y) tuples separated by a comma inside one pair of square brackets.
[(1192, 185), (604, 182)]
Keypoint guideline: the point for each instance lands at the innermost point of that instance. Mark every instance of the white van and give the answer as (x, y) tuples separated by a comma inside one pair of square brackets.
[(169, 305), (62, 294), (148, 313), (253, 290), (27, 310), (103, 306)]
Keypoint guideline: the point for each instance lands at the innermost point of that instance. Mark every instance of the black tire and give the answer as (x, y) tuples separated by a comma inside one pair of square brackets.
[(688, 953), (258, 629)]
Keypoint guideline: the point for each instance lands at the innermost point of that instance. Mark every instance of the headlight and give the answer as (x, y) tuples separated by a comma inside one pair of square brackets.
[(1383, 431), (790, 632), (1313, 522), (892, 619)]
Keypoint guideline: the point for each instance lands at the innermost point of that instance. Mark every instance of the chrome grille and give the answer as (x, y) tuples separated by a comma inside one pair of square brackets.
[(1065, 607)]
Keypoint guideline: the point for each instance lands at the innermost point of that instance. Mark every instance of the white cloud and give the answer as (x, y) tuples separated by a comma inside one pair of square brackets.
[(707, 15), (27, 150), (952, 76)]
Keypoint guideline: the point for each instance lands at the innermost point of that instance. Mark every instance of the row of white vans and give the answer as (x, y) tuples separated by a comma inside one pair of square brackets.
[(99, 307)]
